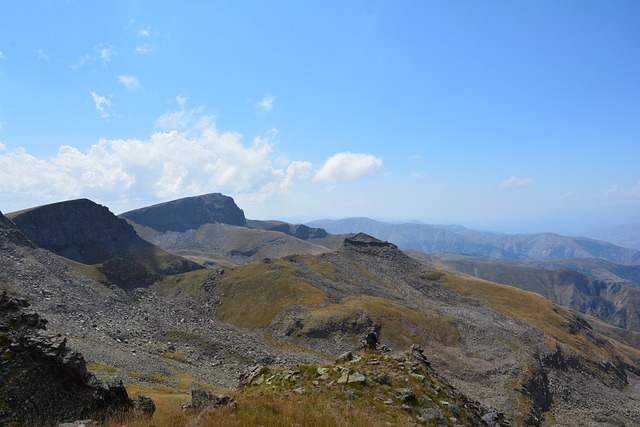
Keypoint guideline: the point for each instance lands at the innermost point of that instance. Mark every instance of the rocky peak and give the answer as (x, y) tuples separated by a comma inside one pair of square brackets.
[(188, 213), (80, 230), (363, 242)]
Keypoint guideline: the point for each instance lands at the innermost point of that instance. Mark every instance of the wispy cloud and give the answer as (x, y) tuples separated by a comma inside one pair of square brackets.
[(144, 49), (620, 192), (348, 166), (419, 174), (103, 104), (166, 165), (514, 181), (130, 82), (266, 104), (103, 53), (144, 32), (42, 55), (2, 55)]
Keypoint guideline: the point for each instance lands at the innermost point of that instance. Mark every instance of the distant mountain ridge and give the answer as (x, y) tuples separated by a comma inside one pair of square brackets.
[(213, 230), (612, 302), (461, 240)]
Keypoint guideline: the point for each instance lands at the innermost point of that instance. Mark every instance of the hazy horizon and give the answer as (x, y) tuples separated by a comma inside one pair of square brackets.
[(519, 116)]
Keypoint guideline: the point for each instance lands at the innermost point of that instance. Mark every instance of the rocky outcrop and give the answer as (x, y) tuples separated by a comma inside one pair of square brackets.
[(300, 231), (404, 382), (189, 213), (86, 232), (44, 381), (9, 231)]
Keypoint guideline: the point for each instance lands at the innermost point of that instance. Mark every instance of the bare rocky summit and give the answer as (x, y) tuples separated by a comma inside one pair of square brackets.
[(188, 213)]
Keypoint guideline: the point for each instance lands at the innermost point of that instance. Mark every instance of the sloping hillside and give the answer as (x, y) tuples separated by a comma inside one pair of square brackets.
[(215, 232), (611, 302), (502, 347), (90, 234), (485, 337)]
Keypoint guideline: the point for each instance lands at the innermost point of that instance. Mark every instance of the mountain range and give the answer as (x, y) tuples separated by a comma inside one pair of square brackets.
[(461, 240), (294, 297)]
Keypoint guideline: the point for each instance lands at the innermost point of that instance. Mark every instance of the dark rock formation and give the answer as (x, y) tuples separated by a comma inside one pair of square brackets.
[(80, 230), (86, 232), (189, 213), (300, 231), (44, 381), (362, 240)]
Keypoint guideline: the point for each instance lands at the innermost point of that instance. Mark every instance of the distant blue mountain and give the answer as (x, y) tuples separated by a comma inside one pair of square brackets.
[(461, 240)]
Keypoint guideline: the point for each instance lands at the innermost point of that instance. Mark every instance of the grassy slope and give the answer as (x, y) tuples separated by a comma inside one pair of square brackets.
[(534, 309), (254, 294)]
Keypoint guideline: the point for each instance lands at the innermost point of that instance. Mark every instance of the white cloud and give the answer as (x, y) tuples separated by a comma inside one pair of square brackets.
[(2, 55), (348, 167), (130, 82), (266, 104), (144, 32), (100, 53), (103, 104), (619, 192), (42, 55), (169, 164), (144, 49), (105, 53), (514, 181)]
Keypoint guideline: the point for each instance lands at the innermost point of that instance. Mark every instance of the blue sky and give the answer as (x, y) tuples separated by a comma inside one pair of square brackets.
[(506, 115)]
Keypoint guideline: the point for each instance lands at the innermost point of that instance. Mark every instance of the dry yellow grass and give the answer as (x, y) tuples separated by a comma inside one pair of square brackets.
[(534, 309), (401, 325), (255, 294)]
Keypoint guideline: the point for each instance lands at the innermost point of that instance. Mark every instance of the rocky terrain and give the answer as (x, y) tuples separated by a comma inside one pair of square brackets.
[(402, 385), (44, 381), (510, 351)]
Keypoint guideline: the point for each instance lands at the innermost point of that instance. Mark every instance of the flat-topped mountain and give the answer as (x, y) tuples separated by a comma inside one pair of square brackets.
[(461, 240), (88, 233), (188, 213), (213, 230)]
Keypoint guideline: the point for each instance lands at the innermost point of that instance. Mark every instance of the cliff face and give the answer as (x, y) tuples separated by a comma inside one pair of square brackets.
[(80, 230), (86, 232), (189, 213)]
